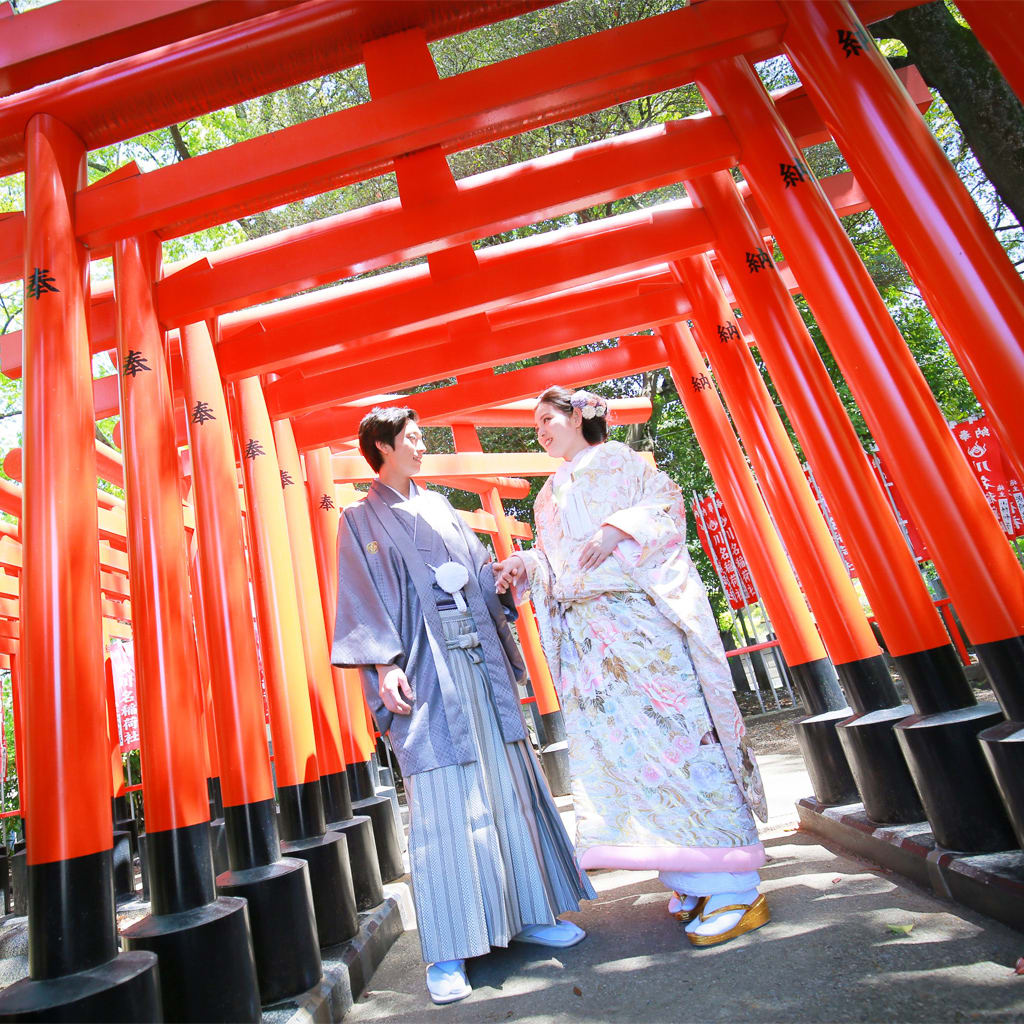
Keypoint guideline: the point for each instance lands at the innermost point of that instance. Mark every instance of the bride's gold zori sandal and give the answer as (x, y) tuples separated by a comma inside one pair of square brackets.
[(686, 916), (755, 915)]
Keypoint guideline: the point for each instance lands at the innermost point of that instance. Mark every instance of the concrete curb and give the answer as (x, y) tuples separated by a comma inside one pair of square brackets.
[(348, 967), (990, 883)]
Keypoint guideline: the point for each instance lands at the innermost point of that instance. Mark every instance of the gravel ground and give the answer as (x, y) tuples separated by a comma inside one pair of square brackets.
[(772, 733)]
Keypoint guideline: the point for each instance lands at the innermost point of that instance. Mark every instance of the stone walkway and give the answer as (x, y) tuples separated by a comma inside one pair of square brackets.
[(838, 949)]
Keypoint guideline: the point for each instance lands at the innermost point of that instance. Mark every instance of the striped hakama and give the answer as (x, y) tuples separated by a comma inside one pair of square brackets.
[(488, 852)]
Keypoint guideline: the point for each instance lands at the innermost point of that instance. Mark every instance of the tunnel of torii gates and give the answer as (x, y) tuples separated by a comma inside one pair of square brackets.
[(273, 391)]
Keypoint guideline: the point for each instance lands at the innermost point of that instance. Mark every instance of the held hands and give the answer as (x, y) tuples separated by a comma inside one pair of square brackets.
[(600, 546), (506, 573), (393, 685)]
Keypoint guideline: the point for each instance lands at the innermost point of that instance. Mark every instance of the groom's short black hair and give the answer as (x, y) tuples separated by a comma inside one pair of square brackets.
[(383, 424)]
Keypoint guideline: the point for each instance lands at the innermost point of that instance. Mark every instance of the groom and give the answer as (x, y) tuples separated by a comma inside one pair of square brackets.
[(418, 614)]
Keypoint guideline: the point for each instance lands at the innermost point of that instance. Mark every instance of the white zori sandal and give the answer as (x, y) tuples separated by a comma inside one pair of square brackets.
[(447, 981), (560, 935)]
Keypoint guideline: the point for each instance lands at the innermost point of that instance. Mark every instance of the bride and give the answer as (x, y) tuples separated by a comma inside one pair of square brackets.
[(662, 778)]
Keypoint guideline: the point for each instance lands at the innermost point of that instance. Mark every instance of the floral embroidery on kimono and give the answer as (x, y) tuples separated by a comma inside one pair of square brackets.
[(636, 655)]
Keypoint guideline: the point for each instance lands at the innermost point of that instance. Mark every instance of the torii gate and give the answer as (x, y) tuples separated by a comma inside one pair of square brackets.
[(192, 330)]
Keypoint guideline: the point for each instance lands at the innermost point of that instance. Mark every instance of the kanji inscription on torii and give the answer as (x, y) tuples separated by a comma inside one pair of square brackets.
[(757, 261), (135, 363), (326, 501), (793, 174), (286, 478), (253, 448), (701, 382), (727, 332), (40, 280), (202, 412), (855, 41), (850, 43)]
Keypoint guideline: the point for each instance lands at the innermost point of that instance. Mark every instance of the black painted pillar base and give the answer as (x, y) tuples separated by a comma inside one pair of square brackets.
[(878, 766), (219, 844), (818, 686), (554, 754), (819, 690), (330, 879), (1003, 746), (831, 778), (207, 966), (218, 849), (337, 798), (124, 868), (302, 811), (123, 989), (281, 918), (214, 795), (868, 684), (957, 790), (360, 780), (385, 835), (284, 938), (19, 883), (553, 724), (75, 970), (362, 856)]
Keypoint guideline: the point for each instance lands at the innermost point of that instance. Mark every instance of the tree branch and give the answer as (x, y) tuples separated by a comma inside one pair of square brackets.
[(179, 143)]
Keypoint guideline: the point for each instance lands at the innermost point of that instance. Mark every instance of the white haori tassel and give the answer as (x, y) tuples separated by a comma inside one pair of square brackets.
[(451, 577)]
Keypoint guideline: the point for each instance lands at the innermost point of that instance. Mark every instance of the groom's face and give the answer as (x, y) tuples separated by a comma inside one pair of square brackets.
[(406, 456)]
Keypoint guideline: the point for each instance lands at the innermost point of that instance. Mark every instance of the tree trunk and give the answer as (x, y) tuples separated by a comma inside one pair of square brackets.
[(989, 113)]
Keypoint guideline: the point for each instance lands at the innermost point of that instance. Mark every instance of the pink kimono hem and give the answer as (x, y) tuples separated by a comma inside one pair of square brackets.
[(675, 858)]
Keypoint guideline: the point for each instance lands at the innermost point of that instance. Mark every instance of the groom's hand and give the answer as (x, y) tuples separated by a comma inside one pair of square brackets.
[(393, 684), (506, 573)]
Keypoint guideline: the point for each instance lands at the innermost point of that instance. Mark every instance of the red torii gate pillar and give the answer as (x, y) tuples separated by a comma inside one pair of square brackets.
[(280, 909), (801, 646), (977, 565), (206, 961), (554, 747), (844, 627), (953, 255), (69, 856), (380, 809), (961, 269), (327, 718), (899, 598), (302, 822), (327, 712), (205, 688)]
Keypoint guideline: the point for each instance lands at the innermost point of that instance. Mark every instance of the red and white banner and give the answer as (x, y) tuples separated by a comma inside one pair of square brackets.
[(899, 506), (122, 665), (832, 528), (718, 539), (993, 471)]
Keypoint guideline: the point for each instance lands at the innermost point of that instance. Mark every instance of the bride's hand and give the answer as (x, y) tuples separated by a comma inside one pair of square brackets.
[(600, 546)]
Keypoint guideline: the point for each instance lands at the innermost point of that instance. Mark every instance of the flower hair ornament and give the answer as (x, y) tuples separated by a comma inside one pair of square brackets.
[(589, 405)]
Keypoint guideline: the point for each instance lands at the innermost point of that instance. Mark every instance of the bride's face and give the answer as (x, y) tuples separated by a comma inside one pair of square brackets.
[(557, 432)]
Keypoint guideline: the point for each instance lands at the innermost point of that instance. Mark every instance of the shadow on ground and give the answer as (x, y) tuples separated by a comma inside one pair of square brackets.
[(828, 955)]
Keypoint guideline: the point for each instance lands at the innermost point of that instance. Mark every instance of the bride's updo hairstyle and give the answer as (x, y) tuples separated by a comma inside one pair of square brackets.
[(593, 408)]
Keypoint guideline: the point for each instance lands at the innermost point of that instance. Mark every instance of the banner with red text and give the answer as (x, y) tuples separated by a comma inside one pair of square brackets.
[(718, 539), (993, 471), (122, 666)]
